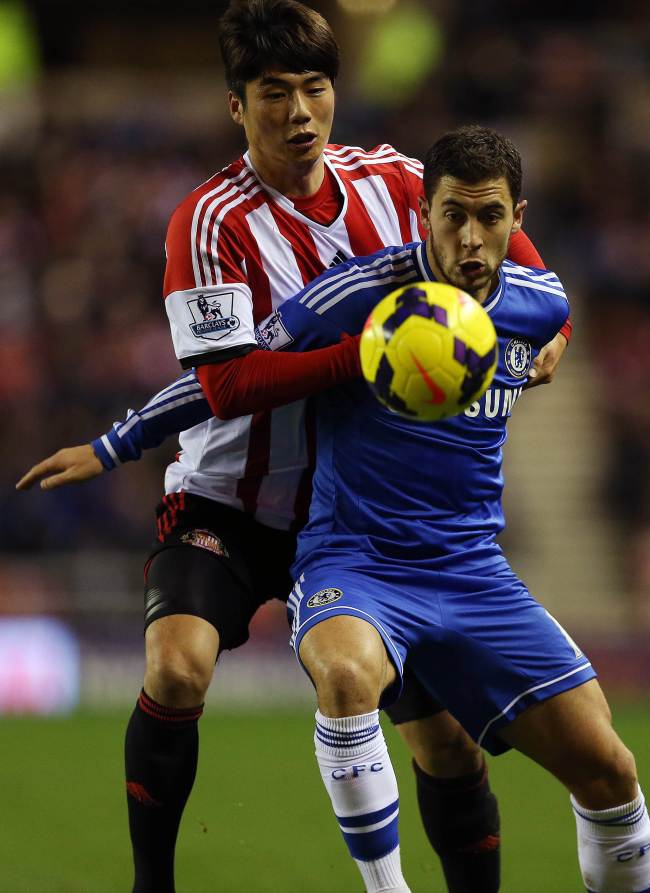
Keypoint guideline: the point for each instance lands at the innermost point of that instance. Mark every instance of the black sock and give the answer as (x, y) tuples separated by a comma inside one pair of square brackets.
[(461, 820), (161, 754)]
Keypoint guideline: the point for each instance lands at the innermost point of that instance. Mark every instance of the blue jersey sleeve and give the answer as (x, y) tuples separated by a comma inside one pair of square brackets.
[(295, 327), (338, 301), (176, 408)]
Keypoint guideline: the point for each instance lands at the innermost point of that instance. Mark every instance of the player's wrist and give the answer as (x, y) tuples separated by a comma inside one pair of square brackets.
[(349, 350), (101, 451)]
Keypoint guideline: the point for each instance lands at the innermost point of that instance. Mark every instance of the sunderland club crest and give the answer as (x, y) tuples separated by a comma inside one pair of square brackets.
[(205, 539), (212, 315)]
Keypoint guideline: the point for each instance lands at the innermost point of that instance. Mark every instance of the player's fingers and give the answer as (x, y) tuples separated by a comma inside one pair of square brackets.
[(72, 472), (537, 374), (546, 369), (36, 472), (539, 363), (58, 480)]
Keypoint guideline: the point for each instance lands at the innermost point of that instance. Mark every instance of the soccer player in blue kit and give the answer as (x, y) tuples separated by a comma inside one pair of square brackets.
[(399, 565)]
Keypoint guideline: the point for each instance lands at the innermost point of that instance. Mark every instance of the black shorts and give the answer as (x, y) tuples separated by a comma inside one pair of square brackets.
[(215, 562)]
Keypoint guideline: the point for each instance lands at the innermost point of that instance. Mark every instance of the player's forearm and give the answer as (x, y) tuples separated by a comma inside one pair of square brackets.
[(263, 380), (179, 406)]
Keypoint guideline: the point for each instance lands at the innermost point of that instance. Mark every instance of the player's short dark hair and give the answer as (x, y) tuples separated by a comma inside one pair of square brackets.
[(473, 153), (258, 35)]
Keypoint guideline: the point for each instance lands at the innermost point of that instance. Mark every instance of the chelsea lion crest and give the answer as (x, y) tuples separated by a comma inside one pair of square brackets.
[(517, 357), (212, 316), (324, 597)]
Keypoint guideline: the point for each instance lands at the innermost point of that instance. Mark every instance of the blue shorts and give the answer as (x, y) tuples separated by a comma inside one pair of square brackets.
[(475, 637)]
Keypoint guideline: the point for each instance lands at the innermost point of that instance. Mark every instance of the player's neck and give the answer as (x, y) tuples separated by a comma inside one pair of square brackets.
[(299, 180)]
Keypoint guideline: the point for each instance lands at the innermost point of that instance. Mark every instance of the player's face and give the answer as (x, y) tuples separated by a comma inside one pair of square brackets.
[(287, 118), (468, 228)]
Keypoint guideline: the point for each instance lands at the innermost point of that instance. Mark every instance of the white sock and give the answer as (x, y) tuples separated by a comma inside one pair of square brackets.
[(360, 780), (614, 847)]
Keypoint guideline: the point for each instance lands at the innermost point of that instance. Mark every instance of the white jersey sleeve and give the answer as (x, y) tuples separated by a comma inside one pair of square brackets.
[(207, 295)]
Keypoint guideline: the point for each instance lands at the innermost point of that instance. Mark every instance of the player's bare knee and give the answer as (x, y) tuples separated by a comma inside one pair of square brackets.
[(456, 753), (441, 746), (623, 769), (614, 760), (606, 778), (177, 679), (452, 737), (347, 686), (348, 664)]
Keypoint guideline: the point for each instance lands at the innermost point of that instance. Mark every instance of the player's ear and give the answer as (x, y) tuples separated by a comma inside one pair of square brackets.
[(518, 217), (424, 212), (236, 107)]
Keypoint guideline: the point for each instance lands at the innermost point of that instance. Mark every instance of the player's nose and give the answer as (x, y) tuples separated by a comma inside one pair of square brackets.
[(299, 109), (471, 236)]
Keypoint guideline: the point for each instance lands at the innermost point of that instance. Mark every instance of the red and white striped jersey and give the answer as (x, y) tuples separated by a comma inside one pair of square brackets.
[(236, 249)]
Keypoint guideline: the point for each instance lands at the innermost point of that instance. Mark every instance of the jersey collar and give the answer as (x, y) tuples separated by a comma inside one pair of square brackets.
[(428, 275), (287, 204)]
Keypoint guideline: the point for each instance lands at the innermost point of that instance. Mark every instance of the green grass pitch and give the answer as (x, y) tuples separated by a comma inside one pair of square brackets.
[(258, 820)]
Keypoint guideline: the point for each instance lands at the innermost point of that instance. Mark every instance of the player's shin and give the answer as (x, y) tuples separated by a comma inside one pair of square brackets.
[(161, 753), (359, 778), (461, 819), (614, 847)]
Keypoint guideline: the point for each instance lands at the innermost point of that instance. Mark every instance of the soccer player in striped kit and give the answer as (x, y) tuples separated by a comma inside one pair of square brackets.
[(239, 245)]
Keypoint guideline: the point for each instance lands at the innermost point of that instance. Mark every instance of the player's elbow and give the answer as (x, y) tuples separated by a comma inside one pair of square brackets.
[(217, 384), (227, 409)]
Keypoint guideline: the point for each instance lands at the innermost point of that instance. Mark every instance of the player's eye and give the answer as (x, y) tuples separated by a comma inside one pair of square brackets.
[(274, 96), (491, 217), (454, 216)]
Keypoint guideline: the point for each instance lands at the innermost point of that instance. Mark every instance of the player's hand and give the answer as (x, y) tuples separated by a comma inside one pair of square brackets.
[(69, 466), (546, 362)]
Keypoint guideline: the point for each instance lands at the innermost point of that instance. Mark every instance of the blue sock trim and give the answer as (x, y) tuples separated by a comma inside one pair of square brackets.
[(375, 844), (630, 818), (333, 738), (370, 818)]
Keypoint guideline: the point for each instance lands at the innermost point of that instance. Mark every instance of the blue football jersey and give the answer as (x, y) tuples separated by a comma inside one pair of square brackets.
[(384, 484)]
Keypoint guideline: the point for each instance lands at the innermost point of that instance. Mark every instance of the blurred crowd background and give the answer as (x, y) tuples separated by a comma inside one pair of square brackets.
[(111, 113)]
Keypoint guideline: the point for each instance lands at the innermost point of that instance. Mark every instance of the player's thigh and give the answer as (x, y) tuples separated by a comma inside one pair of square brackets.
[(218, 564), (346, 648), (346, 633), (571, 735), (190, 581), (181, 651)]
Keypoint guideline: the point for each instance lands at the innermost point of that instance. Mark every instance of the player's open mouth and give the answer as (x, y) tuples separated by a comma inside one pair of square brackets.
[(472, 268), (303, 140)]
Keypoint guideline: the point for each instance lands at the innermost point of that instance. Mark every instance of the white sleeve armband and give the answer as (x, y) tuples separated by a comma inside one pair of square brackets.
[(211, 318)]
